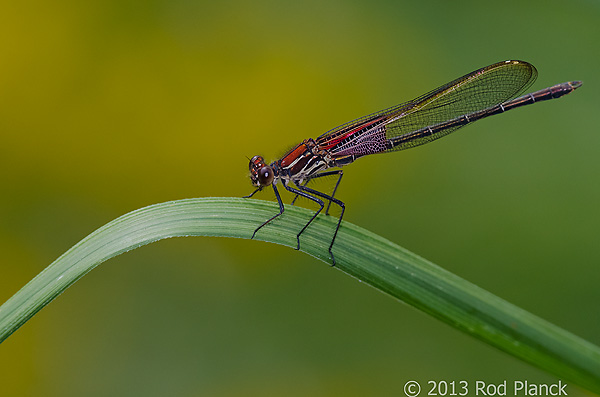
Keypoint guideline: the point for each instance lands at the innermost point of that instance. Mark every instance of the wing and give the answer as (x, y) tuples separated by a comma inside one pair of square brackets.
[(471, 93)]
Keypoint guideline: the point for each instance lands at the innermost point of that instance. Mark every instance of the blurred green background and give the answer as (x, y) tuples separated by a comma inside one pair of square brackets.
[(110, 106)]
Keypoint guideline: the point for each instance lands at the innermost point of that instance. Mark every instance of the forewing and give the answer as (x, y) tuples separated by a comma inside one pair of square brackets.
[(473, 92)]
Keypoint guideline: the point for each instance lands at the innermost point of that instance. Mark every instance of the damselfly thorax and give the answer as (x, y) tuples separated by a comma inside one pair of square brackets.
[(298, 165), (477, 95)]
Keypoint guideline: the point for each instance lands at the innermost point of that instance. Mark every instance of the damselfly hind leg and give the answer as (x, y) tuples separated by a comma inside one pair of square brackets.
[(339, 173), (310, 194)]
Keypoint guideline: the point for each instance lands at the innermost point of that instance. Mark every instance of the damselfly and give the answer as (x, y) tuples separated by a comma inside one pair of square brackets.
[(477, 95)]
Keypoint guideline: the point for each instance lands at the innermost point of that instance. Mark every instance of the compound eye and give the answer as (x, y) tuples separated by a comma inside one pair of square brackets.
[(265, 176), (256, 162)]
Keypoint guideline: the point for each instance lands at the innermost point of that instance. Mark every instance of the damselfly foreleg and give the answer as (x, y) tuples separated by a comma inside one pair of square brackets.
[(252, 194), (281, 209)]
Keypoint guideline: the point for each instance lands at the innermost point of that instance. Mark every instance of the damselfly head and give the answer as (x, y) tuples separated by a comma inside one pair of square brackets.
[(261, 174)]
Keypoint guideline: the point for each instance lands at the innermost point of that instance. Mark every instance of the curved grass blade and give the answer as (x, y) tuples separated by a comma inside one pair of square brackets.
[(359, 253)]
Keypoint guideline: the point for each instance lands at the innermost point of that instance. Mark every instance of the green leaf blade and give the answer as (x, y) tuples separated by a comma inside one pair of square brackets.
[(359, 253)]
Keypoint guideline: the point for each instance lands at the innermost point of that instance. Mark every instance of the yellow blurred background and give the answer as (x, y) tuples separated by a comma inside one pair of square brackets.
[(106, 107)]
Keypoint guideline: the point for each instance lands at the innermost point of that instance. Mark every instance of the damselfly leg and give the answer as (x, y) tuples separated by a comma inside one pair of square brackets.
[(281, 209), (340, 173), (313, 195), (307, 192)]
